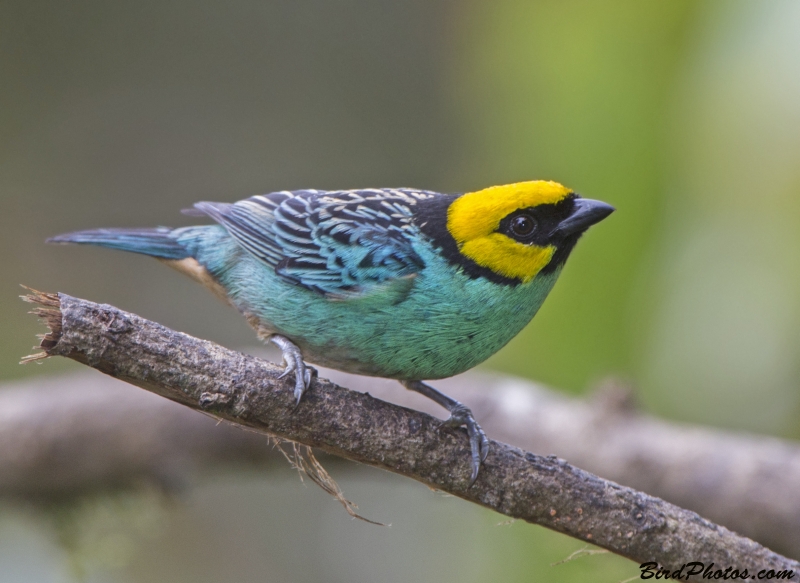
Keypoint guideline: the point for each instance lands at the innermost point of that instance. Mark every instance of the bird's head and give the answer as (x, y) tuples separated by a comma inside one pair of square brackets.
[(516, 231)]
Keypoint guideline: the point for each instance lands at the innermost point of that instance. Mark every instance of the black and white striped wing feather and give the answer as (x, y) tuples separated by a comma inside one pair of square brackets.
[(342, 244)]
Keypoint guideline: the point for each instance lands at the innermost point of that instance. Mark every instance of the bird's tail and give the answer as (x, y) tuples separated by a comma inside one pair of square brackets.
[(158, 242)]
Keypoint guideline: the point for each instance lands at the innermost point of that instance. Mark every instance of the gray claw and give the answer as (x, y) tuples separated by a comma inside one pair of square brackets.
[(294, 363), (459, 416), (479, 443), (289, 368)]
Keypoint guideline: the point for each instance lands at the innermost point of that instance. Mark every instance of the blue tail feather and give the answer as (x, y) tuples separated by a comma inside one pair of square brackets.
[(159, 242)]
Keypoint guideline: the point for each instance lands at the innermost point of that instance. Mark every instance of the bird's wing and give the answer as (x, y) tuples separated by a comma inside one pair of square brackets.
[(343, 244)]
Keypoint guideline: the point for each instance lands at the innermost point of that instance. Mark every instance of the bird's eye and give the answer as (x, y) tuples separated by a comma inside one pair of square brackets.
[(523, 225)]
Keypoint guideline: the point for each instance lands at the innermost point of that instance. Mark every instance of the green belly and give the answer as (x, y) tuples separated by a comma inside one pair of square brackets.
[(445, 324)]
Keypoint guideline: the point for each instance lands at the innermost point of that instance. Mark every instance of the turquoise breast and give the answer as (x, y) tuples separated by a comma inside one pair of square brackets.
[(433, 325)]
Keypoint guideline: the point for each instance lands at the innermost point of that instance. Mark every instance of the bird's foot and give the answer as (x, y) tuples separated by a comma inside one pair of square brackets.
[(293, 359), (461, 416)]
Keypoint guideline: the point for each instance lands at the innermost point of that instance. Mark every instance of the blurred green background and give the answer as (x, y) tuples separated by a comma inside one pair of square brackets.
[(684, 115)]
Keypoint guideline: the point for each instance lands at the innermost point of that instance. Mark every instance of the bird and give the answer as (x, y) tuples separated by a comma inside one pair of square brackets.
[(400, 283)]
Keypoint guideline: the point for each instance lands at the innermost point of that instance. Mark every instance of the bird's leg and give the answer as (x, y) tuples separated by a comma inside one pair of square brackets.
[(459, 415), (293, 359)]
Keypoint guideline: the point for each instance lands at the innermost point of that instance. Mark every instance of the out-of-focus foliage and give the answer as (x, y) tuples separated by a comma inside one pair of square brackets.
[(721, 339), (685, 115)]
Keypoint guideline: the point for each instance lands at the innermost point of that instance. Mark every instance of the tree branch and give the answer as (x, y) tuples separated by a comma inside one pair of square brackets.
[(246, 390), (61, 436)]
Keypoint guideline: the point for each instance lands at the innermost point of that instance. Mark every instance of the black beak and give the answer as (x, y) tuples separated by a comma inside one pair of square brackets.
[(586, 213)]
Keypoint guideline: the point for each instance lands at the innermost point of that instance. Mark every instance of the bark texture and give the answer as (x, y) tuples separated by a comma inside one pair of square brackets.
[(61, 436), (246, 390)]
